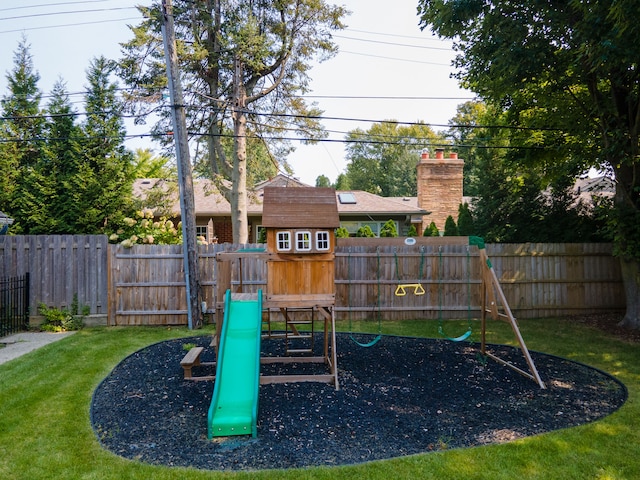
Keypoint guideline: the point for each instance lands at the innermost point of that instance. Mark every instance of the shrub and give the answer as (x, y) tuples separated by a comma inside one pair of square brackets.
[(365, 231), (450, 228), (431, 230), (342, 232), (389, 229), (63, 319), (465, 220)]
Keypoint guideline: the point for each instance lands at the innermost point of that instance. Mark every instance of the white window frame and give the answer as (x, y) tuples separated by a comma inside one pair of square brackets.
[(202, 231), (322, 239), (283, 241), (303, 244)]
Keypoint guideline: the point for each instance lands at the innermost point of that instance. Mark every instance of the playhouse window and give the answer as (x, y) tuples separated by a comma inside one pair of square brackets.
[(303, 241), (283, 241), (322, 241)]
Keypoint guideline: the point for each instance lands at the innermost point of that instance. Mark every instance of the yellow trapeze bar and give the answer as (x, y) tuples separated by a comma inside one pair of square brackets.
[(401, 289)]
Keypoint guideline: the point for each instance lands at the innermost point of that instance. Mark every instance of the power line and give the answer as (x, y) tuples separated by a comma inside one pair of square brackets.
[(392, 43), (395, 58), (24, 7), (95, 10), (69, 25), (420, 143)]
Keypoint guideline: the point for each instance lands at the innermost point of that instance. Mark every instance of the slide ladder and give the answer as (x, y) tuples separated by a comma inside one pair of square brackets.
[(234, 405)]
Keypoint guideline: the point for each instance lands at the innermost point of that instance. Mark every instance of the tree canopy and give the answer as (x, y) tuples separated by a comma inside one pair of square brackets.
[(244, 67), (60, 176), (566, 74), (382, 160)]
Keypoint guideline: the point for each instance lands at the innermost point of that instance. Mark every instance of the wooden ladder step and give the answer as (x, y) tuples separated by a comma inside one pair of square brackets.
[(299, 350), (191, 359)]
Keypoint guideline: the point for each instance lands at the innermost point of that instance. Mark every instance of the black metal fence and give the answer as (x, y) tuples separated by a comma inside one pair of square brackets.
[(14, 304)]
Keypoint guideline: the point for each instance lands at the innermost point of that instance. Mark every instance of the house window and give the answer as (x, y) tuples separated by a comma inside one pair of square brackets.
[(303, 241), (353, 227), (283, 241), (322, 241), (201, 231)]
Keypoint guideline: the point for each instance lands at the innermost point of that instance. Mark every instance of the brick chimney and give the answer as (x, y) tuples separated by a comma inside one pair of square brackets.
[(439, 187)]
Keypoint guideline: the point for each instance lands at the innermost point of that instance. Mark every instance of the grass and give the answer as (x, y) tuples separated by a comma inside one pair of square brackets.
[(45, 429)]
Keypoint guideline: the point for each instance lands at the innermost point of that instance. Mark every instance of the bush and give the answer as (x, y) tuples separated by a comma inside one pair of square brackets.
[(465, 220), (412, 231), (431, 231), (62, 319), (389, 229), (450, 228), (145, 230), (342, 232), (365, 232)]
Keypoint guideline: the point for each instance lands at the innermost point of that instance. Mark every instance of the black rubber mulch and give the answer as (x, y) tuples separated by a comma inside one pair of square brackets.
[(400, 397)]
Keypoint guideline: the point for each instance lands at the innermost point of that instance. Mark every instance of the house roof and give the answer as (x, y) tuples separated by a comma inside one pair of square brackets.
[(210, 202), (302, 207), (369, 203)]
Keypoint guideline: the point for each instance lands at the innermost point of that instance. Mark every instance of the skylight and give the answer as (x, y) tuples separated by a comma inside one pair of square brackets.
[(346, 198)]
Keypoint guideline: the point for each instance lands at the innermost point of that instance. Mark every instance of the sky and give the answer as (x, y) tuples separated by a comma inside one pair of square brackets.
[(387, 68)]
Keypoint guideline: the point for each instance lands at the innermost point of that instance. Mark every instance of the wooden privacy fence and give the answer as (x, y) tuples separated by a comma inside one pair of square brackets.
[(539, 280), (147, 284), (60, 267), (144, 285)]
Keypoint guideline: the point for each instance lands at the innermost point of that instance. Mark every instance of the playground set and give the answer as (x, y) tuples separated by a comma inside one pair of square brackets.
[(300, 293)]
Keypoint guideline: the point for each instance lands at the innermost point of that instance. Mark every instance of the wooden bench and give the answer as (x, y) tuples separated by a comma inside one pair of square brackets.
[(191, 359)]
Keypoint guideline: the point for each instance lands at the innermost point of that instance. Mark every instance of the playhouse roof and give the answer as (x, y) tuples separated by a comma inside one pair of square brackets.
[(303, 207)]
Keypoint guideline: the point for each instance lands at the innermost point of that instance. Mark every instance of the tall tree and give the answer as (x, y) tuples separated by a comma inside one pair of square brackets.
[(62, 157), (570, 67), (21, 134), (244, 66), (323, 181), (382, 160), (102, 189)]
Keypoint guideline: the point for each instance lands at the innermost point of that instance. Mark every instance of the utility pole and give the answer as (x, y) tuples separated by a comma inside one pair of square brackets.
[(185, 181)]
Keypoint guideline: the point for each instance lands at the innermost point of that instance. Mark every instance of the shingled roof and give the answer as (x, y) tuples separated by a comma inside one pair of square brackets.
[(302, 207), (210, 202)]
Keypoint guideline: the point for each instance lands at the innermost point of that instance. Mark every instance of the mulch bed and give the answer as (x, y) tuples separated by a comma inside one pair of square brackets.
[(400, 397)]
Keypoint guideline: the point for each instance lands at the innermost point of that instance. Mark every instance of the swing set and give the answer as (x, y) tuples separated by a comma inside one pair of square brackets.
[(493, 301)]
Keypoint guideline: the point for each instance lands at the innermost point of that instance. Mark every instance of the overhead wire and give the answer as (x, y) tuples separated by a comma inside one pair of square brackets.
[(371, 41)]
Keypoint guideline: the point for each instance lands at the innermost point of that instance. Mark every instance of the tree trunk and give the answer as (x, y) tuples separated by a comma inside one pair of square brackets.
[(631, 279), (238, 202)]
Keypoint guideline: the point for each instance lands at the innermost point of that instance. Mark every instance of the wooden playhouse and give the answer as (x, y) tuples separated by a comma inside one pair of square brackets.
[(300, 225)]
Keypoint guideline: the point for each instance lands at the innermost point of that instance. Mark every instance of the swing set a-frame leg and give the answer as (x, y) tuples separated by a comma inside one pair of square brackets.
[(490, 289)]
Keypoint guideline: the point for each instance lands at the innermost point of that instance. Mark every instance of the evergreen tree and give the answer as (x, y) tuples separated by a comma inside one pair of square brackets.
[(431, 231), (412, 231), (62, 156), (342, 232), (365, 231), (342, 182), (465, 220), (21, 135), (450, 228), (389, 229), (103, 188)]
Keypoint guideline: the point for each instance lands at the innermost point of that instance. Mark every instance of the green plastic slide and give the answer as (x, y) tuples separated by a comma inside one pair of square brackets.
[(234, 406)]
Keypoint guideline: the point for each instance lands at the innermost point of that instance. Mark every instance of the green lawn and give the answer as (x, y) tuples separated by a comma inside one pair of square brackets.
[(45, 431)]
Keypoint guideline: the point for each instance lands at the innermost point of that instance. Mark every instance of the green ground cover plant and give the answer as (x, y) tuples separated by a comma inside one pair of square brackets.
[(45, 429)]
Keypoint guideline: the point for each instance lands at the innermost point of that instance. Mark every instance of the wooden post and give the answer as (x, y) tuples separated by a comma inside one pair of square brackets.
[(185, 181)]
